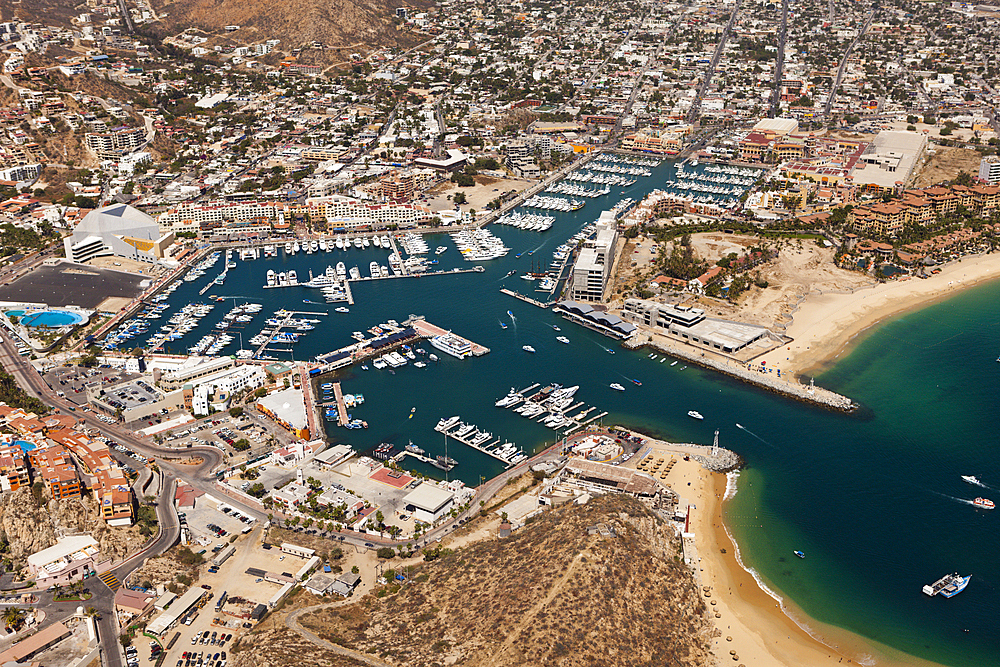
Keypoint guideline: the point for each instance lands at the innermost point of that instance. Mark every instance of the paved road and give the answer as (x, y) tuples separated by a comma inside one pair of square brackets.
[(695, 111), (843, 64), (779, 63)]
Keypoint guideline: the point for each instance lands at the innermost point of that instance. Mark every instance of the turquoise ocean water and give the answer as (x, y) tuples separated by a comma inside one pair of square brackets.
[(874, 498)]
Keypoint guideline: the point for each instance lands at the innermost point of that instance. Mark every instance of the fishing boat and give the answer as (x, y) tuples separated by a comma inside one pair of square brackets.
[(947, 586), (342, 309), (695, 414), (528, 348), (799, 554), (971, 479), (984, 503), (563, 339), (616, 386)]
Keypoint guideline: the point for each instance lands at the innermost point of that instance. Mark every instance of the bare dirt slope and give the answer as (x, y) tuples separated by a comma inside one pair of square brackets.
[(294, 22), (945, 165), (549, 595)]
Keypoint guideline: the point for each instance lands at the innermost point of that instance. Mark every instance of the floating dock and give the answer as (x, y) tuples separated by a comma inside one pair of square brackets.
[(338, 395), (541, 399), (490, 449), (527, 299)]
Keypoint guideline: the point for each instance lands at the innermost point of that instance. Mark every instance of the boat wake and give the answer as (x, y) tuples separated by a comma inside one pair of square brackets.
[(744, 428), (957, 500)]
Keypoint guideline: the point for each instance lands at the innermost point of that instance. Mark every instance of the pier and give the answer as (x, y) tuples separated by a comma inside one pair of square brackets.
[(277, 329), (427, 330), (338, 395), (527, 299), (540, 407), (490, 449)]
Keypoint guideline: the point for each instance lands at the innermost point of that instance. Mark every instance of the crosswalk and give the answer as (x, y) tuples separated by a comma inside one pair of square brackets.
[(111, 580)]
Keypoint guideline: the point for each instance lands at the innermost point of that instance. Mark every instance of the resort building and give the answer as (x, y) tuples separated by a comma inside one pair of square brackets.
[(54, 466), (346, 213), (114, 144), (888, 163), (119, 230), (13, 470)]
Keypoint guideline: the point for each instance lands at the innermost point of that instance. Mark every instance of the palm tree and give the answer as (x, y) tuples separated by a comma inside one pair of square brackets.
[(12, 617)]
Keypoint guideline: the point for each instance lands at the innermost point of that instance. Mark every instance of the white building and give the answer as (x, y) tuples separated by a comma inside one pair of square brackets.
[(119, 230), (215, 391), (428, 502), (989, 169), (593, 266), (69, 559)]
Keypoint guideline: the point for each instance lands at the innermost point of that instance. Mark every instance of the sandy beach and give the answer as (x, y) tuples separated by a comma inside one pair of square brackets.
[(751, 622), (827, 323)]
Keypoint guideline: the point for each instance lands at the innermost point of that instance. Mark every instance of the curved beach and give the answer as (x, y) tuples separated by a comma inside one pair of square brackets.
[(825, 324), (764, 627)]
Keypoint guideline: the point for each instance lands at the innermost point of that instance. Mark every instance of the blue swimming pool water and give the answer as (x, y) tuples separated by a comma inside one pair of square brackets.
[(51, 318), (14, 313), (25, 445)]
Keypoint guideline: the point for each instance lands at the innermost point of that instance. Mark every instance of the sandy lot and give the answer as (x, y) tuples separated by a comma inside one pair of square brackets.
[(482, 193)]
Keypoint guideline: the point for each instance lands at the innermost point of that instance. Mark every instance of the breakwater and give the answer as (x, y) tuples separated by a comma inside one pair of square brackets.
[(808, 393)]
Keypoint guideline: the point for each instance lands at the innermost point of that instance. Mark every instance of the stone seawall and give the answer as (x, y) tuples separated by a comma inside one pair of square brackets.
[(791, 388)]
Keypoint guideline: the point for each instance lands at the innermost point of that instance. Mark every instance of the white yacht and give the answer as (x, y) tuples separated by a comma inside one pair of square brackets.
[(695, 414), (322, 245), (354, 273), (375, 271), (341, 270), (528, 348), (616, 386), (365, 242), (288, 248), (292, 278), (357, 242), (339, 243), (296, 247), (376, 242), (271, 278), (385, 241), (440, 249), (313, 246)]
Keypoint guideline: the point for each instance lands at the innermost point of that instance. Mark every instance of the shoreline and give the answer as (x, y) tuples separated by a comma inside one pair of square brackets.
[(753, 615), (826, 325)]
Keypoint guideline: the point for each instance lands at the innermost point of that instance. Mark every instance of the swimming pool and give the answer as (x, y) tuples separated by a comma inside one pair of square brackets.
[(51, 319), (25, 445)]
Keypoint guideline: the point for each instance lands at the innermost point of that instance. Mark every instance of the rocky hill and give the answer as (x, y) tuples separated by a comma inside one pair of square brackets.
[(360, 24), (551, 594), (28, 525)]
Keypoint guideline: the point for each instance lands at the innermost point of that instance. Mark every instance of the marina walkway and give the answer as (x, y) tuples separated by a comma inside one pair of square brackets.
[(528, 299), (338, 394)]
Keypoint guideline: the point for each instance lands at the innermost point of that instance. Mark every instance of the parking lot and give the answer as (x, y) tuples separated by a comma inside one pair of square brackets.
[(73, 380), (224, 432), (206, 513)]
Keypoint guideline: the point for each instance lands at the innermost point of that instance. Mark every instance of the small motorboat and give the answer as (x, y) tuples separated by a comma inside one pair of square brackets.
[(528, 348), (616, 386), (695, 414), (342, 309), (971, 479), (984, 503), (563, 340), (799, 554)]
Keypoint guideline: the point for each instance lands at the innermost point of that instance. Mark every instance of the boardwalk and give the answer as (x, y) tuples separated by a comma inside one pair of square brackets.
[(428, 330)]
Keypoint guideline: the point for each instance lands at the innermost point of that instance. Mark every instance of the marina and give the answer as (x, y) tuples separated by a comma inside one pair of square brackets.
[(471, 436)]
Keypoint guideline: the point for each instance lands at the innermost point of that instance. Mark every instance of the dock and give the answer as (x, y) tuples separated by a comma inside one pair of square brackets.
[(449, 272), (338, 395), (527, 299), (427, 330), (425, 459), (277, 329), (571, 419), (489, 450)]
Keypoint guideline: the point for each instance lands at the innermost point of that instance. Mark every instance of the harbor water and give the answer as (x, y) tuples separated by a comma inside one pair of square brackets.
[(874, 498)]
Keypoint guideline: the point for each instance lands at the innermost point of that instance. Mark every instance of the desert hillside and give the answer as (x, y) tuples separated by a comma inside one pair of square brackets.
[(551, 594), (361, 24)]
